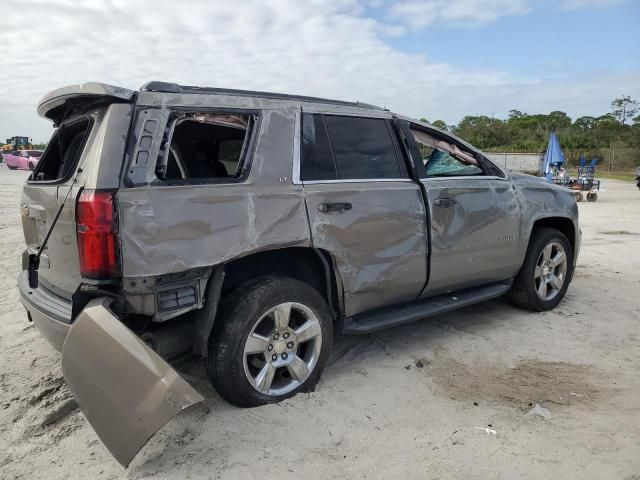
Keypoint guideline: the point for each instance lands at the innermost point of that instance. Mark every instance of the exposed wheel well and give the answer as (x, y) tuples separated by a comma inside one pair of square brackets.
[(565, 225), (312, 266)]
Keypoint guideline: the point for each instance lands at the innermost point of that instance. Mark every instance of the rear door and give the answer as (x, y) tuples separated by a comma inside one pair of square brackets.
[(474, 213), (364, 209)]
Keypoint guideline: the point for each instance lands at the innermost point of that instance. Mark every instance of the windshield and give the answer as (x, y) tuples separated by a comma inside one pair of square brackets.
[(34, 153)]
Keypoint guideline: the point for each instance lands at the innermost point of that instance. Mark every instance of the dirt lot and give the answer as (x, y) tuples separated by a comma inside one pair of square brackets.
[(442, 398)]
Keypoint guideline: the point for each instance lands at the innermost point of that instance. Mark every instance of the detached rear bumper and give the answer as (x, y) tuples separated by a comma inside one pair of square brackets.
[(126, 391)]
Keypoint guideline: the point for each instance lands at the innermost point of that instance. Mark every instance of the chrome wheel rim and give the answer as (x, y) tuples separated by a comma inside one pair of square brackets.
[(282, 349), (551, 271)]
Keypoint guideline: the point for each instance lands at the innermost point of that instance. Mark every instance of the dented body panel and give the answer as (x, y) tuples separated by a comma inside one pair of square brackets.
[(173, 228), (541, 200), (125, 390), (475, 240), (379, 246)]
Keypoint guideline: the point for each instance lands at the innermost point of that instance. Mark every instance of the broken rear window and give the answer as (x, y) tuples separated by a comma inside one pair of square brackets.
[(63, 151), (206, 146)]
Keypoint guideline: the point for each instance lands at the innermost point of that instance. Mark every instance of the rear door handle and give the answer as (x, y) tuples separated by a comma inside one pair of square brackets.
[(444, 202), (334, 207)]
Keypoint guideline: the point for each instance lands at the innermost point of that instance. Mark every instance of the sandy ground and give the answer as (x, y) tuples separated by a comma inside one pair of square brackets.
[(412, 402)]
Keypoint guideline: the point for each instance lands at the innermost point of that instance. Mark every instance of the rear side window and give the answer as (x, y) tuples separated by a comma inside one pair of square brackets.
[(317, 158), (63, 151), (348, 148), (206, 146), (363, 147)]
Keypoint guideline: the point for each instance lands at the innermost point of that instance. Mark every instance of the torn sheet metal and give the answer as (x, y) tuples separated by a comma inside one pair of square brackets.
[(125, 390)]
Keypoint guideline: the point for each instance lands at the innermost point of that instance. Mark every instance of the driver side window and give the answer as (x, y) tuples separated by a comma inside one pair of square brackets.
[(441, 157)]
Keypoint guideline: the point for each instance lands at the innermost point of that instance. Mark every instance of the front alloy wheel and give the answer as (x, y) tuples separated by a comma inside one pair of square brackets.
[(544, 276), (551, 271)]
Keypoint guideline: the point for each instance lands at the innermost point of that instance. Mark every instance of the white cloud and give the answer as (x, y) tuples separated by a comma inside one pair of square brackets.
[(324, 48), (575, 4), (420, 13)]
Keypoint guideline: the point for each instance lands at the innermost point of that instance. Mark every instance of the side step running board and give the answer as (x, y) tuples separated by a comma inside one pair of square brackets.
[(392, 316)]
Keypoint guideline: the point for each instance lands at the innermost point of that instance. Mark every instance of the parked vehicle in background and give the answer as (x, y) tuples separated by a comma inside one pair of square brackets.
[(17, 143), (247, 227), (638, 177), (22, 159)]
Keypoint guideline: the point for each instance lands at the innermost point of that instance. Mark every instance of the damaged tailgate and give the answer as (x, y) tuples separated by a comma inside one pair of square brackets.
[(125, 390)]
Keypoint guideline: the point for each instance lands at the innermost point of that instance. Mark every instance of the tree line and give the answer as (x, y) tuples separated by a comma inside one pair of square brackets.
[(522, 132)]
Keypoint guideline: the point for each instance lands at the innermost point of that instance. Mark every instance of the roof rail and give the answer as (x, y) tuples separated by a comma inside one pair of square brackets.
[(168, 87)]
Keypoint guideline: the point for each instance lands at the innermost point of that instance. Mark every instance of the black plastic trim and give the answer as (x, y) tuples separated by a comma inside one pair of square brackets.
[(391, 316)]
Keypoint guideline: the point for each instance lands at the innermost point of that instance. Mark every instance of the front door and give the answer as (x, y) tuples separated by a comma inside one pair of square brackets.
[(364, 209), (474, 213)]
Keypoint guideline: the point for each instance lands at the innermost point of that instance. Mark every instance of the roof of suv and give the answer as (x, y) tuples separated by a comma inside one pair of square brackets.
[(54, 105), (166, 87)]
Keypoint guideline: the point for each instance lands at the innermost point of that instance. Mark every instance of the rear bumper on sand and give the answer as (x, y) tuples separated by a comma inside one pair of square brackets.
[(125, 390)]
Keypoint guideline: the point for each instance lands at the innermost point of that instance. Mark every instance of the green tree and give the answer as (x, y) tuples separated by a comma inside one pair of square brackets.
[(624, 108), (584, 123), (440, 124)]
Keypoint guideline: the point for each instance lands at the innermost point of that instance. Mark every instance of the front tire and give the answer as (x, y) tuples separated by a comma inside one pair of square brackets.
[(544, 277), (271, 341)]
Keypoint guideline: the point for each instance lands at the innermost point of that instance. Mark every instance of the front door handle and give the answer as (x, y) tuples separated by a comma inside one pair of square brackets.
[(444, 202), (334, 207)]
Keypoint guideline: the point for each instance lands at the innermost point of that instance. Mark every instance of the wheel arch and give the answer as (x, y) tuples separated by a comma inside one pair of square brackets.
[(562, 224), (313, 266)]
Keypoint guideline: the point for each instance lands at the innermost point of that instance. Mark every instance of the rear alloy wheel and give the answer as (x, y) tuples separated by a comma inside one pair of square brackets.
[(545, 273), (271, 340), (282, 356)]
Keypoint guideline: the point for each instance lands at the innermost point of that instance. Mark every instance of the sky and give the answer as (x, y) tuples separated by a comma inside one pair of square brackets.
[(438, 59)]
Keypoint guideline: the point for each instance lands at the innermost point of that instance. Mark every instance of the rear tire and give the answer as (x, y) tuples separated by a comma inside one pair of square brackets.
[(12, 168), (544, 277), (592, 196), (271, 341)]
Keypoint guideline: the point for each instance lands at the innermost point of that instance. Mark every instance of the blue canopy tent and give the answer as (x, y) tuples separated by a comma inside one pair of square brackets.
[(553, 157)]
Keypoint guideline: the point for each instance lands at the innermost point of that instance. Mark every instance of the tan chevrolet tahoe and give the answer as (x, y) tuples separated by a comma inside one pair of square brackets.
[(245, 228)]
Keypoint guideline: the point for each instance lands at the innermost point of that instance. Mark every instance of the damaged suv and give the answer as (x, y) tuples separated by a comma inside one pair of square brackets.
[(246, 228)]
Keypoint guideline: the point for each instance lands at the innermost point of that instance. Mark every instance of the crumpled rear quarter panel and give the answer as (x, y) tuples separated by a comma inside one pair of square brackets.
[(167, 229)]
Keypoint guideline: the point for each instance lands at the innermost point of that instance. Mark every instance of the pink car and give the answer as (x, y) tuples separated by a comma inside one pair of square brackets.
[(22, 159)]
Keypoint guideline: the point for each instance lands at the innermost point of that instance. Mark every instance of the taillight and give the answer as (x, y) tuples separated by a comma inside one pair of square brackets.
[(97, 234)]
